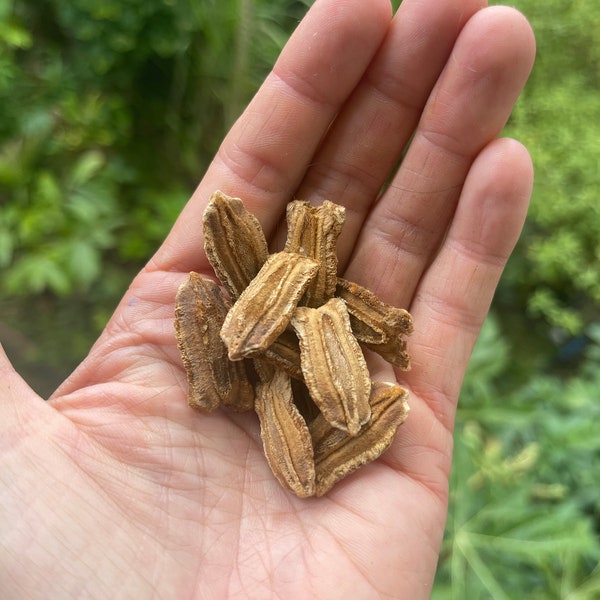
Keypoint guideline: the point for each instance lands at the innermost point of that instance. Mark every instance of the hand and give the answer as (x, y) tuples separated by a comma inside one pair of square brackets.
[(116, 488)]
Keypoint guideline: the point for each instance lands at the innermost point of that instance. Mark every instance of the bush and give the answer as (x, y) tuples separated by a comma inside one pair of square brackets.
[(109, 112), (524, 510), (556, 273)]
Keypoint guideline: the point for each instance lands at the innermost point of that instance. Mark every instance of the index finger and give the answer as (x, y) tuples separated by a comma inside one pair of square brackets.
[(267, 151)]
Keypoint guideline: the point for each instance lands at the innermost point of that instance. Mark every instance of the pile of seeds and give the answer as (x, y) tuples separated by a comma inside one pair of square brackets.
[(284, 336)]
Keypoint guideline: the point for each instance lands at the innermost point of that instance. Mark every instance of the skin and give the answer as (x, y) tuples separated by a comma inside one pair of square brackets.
[(115, 488)]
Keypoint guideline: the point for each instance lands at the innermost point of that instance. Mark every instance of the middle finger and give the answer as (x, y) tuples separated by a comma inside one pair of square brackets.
[(467, 109), (369, 135)]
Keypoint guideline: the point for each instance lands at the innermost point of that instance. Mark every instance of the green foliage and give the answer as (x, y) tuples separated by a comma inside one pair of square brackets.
[(64, 225), (558, 119), (524, 510), (109, 113)]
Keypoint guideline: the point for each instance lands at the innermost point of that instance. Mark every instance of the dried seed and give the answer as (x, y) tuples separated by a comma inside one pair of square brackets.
[(313, 231), (333, 365), (285, 435), (234, 242), (263, 310), (394, 351), (200, 308), (380, 326), (337, 454)]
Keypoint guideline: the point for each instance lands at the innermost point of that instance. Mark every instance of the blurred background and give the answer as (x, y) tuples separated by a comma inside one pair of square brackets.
[(110, 111)]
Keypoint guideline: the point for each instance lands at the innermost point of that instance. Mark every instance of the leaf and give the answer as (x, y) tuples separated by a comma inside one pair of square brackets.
[(36, 273), (87, 167), (84, 262)]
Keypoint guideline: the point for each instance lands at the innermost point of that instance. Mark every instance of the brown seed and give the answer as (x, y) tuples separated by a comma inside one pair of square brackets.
[(200, 308), (313, 231), (284, 353), (234, 242), (285, 436), (379, 326), (333, 365), (337, 454), (263, 310)]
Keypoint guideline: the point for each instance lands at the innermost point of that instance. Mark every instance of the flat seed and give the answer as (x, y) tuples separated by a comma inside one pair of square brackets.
[(263, 310), (333, 365), (379, 326), (313, 231), (200, 309), (234, 242), (338, 454), (285, 435), (284, 353)]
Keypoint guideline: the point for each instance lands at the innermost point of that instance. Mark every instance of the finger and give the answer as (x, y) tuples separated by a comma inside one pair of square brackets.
[(467, 109), (454, 295), (264, 157), (369, 135)]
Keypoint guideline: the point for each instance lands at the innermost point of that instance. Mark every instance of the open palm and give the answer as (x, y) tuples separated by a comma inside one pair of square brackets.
[(116, 488)]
